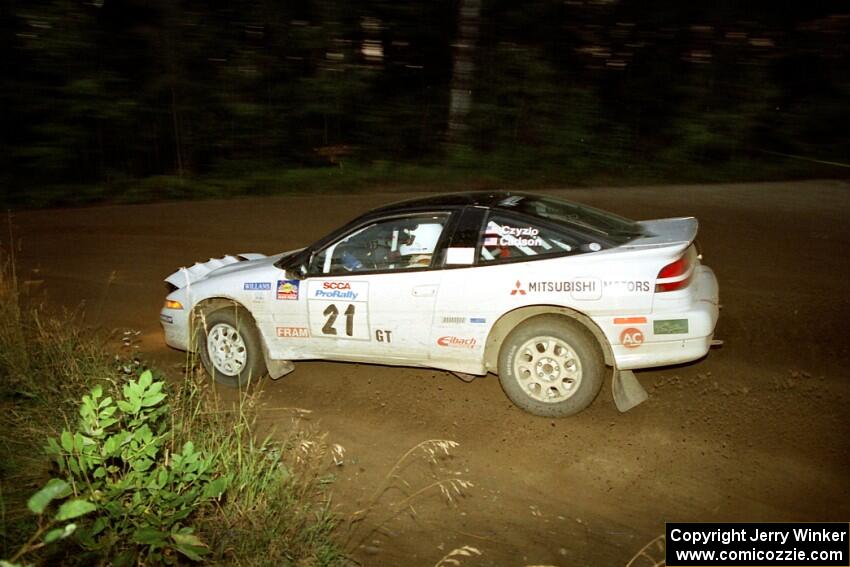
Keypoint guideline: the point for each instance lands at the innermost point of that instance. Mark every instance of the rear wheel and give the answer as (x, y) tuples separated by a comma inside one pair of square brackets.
[(231, 348), (551, 366)]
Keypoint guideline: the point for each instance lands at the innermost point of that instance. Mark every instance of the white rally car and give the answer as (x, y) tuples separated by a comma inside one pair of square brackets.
[(543, 292)]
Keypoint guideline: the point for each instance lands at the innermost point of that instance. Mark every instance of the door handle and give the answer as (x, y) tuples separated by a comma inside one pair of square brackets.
[(425, 290)]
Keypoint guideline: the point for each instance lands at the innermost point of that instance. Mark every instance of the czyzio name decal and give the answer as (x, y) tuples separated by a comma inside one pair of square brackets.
[(257, 286)]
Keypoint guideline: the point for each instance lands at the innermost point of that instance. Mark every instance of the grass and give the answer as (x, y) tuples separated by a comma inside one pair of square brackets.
[(275, 512), (463, 171)]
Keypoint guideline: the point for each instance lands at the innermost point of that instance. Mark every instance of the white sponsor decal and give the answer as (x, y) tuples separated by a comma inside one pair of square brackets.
[(460, 256)]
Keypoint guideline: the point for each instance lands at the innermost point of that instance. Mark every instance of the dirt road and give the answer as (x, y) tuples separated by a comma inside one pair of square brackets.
[(757, 431)]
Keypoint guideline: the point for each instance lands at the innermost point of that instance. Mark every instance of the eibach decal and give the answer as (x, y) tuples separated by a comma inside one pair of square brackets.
[(457, 342)]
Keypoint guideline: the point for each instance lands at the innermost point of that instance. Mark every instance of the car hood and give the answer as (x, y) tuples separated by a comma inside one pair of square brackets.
[(221, 266)]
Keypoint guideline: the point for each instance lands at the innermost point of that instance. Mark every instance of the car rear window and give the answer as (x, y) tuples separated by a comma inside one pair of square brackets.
[(614, 228), (509, 238)]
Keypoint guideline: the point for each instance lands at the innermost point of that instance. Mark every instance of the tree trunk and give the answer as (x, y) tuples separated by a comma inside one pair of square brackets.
[(463, 69)]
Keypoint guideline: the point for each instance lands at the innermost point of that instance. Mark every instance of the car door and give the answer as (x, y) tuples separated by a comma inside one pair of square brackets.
[(370, 295)]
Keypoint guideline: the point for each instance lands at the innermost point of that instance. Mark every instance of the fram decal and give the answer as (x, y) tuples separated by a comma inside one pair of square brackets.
[(257, 286), (631, 337), (456, 342), (287, 289), (293, 332)]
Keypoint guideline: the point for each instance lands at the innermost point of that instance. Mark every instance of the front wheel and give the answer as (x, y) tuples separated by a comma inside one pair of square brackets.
[(231, 348), (551, 366)]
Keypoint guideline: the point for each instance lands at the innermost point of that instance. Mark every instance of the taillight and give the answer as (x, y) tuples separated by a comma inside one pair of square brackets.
[(674, 276)]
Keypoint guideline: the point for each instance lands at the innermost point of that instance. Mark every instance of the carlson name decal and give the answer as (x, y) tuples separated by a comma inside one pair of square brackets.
[(293, 332), (288, 289), (257, 286), (457, 342)]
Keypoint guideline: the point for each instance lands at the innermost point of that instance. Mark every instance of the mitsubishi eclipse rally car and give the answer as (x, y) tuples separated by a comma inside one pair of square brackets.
[(543, 292)]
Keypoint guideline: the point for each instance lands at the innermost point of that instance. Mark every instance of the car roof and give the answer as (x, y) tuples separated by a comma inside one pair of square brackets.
[(447, 200)]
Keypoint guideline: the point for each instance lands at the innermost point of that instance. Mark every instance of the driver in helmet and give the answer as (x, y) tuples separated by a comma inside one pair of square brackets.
[(419, 243)]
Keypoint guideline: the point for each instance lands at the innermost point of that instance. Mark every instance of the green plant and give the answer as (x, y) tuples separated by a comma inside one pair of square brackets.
[(120, 461)]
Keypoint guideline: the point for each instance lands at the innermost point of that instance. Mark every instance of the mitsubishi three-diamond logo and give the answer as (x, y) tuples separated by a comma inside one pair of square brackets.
[(517, 289)]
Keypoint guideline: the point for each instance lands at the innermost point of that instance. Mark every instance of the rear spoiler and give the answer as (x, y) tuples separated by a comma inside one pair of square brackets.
[(186, 276), (666, 232)]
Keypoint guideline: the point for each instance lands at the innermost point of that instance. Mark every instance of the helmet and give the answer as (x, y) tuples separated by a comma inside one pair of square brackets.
[(422, 239)]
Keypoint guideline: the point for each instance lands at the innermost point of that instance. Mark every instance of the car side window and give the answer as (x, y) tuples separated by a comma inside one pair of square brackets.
[(400, 243), (505, 237)]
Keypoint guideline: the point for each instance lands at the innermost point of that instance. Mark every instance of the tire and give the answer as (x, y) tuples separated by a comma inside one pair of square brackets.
[(551, 366), (231, 348)]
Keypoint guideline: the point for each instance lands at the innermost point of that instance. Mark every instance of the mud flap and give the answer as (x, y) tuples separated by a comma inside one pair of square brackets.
[(279, 368), (628, 392)]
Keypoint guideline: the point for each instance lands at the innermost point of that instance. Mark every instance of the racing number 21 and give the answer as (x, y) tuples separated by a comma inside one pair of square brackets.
[(332, 312)]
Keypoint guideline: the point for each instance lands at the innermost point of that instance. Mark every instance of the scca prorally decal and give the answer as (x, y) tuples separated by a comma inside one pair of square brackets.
[(631, 337), (288, 289), (293, 332), (257, 286), (339, 290), (457, 342), (166, 318)]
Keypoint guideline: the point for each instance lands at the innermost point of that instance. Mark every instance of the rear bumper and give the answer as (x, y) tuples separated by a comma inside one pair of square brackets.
[(663, 342)]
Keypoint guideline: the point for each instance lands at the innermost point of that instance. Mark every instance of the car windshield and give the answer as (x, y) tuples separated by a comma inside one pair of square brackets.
[(614, 227)]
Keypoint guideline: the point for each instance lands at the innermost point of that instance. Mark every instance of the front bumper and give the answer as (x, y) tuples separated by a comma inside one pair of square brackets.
[(175, 326)]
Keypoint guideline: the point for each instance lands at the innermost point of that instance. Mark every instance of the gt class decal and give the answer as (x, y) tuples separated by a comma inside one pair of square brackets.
[(338, 309), (288, 289)]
